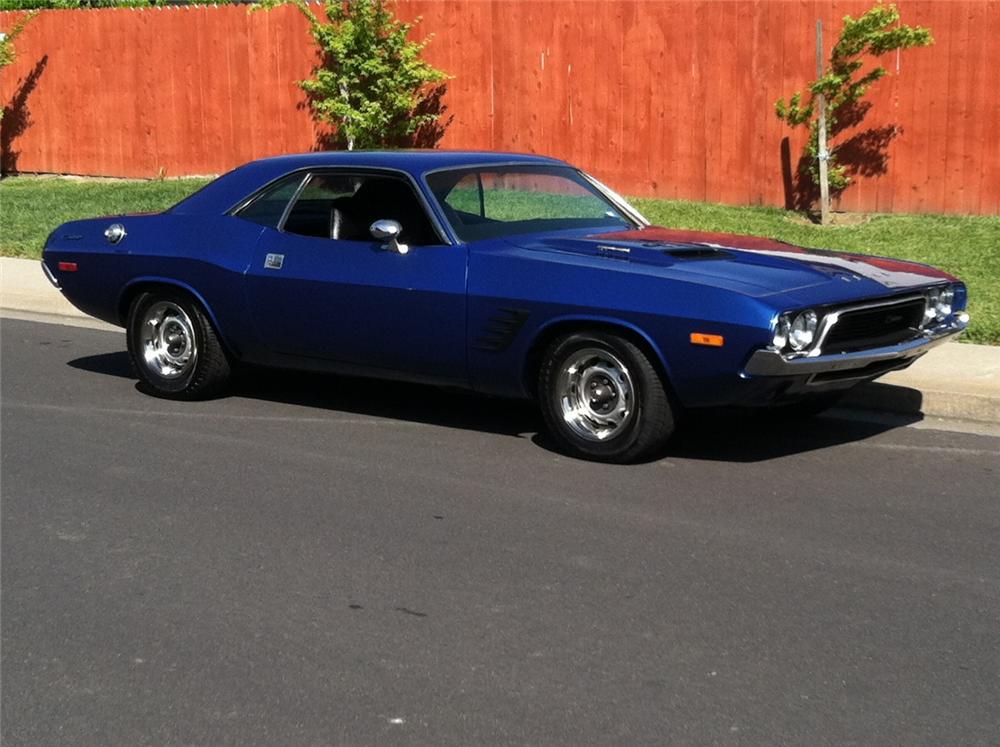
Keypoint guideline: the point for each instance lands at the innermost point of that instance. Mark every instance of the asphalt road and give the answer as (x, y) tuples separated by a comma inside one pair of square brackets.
[(316, 560)]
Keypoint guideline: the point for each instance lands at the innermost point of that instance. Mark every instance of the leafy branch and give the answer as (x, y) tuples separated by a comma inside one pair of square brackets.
[(67, 4), (7, 52), (875, 33)]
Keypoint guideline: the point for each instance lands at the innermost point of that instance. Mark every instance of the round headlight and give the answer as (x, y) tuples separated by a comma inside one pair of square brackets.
[(803, 330), (945, 301), (933, 300), (780, 338)]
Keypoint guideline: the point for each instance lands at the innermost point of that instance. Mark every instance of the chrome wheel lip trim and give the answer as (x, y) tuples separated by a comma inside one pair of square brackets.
[(600, 424), (167, 340)]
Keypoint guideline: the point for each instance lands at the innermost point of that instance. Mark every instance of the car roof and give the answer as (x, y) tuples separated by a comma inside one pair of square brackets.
[(414, 161), (229, 189)]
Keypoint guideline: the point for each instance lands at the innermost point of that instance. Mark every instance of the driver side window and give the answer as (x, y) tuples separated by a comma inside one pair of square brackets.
[(343, 207)]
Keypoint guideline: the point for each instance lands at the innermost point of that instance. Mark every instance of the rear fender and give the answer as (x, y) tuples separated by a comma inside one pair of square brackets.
[(137, 285)]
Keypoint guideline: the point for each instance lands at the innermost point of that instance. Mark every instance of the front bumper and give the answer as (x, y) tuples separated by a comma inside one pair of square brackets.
[(863, 364)]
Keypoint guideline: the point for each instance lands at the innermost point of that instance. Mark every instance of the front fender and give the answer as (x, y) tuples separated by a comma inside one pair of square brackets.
[(566, 323), (519, 296)]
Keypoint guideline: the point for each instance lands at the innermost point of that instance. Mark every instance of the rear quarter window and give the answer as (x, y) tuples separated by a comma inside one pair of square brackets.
[(267, 208)]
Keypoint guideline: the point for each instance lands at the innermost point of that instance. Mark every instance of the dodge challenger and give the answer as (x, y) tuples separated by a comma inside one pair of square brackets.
[(511, 275)]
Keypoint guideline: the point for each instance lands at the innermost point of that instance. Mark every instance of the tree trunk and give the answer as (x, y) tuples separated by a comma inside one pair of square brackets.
[(344, 94), (823, 154)]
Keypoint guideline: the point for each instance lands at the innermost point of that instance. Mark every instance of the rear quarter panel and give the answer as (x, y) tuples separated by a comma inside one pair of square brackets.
[(205, 255)]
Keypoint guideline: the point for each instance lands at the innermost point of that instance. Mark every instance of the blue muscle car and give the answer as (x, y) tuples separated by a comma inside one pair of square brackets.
[(512, 275)]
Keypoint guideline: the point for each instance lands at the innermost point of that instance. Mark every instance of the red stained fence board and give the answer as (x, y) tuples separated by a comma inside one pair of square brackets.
[(672, 99)]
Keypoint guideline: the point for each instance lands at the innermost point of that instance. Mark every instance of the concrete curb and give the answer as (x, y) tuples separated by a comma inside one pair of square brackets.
[(955, 380), (906, 400), (23, 287)]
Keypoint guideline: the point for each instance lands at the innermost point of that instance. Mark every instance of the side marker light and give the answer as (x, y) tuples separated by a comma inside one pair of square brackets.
[(713, 341)]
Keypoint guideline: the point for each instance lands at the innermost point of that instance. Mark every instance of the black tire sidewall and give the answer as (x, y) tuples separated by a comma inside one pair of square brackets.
[(151, 381), (617, 448)]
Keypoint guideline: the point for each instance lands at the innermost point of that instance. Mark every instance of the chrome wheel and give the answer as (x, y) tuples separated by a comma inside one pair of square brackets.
[(596, 394), (167, 340)]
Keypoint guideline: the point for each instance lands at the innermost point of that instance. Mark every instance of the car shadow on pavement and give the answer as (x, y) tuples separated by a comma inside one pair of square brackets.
[(421, 403), (733, 435), (109, 364), (725, 435), (745, 436), (453, 408)]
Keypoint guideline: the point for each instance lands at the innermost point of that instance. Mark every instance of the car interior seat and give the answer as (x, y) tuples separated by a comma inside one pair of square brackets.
[(343, 224), (380, 198)]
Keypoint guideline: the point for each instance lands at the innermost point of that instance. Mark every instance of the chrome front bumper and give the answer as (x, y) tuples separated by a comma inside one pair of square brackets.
[(773, 363)]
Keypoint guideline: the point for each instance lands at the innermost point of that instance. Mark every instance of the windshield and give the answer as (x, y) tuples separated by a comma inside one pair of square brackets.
[(498, 201)]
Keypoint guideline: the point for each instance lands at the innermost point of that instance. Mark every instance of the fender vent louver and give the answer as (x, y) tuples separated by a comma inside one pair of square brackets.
[(501, 329)]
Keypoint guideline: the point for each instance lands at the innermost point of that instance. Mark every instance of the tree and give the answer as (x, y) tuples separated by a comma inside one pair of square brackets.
[(7, 52), (837, 93), (7, 55), (371, 84)]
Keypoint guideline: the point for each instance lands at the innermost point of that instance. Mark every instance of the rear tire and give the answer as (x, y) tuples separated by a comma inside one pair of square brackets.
[(173, 347), (602, 399)]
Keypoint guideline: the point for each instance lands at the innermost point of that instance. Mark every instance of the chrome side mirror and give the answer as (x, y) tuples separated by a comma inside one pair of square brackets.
[(388, 231)]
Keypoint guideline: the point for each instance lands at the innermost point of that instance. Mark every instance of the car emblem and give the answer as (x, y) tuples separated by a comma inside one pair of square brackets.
[(274, 261), (893, 318)]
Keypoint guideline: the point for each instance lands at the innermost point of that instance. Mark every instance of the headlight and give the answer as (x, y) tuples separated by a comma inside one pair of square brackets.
[(933, 298), (945, 301), (940, 304), (780, 338), (803, 330)]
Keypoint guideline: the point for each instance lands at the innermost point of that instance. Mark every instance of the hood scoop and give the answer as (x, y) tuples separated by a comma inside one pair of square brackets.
[(692, 251), (677, 251), (615, 252)]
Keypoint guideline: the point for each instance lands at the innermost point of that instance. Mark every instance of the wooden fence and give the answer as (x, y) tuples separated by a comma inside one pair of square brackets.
[(671, 99)]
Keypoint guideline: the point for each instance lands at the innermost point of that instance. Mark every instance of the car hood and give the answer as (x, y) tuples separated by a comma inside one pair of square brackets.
[(751, 265)]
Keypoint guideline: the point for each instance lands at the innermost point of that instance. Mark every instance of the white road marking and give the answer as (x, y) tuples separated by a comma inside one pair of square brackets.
[(931, 449), (201, 415)]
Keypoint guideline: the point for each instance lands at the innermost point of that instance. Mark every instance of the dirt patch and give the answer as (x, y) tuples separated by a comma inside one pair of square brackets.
[(836, 219)]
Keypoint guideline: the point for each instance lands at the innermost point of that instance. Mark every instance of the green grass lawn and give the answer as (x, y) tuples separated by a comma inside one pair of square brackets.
[(30, 207), (968, 247)]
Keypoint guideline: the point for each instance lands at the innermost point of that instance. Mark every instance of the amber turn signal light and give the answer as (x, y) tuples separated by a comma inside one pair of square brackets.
[(713, 341)]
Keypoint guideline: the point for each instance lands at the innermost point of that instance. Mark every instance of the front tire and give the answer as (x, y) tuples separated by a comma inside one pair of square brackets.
[(173, 347), (602, 399)]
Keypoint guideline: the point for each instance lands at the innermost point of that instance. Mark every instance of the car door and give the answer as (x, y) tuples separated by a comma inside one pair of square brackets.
[(320, 286)]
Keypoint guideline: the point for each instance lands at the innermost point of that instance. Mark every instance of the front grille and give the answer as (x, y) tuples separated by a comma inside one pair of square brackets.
[(875, 327)]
